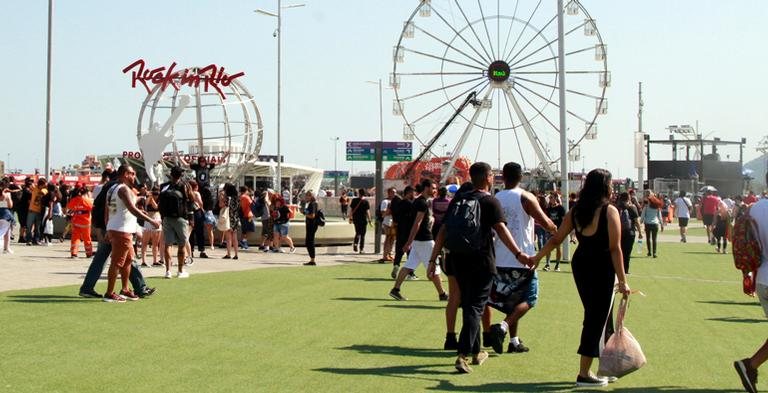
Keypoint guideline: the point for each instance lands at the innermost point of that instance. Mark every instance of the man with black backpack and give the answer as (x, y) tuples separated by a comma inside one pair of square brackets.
[(467, 232), (173, 205)]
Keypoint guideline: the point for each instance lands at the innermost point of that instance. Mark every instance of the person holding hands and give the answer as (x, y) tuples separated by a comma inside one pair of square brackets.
[(597, 265)]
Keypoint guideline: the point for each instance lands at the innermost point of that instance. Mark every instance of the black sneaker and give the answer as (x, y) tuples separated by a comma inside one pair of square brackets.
[(496, 338), (590, 381), (203, 254), (395, 294), (90, 294), (747, 374), (443, 297), (146, 292), (519, 348), (450, 342)]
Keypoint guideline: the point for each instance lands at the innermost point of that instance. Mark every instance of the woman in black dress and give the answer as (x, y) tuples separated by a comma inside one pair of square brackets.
[(597, 263), (310, 222)]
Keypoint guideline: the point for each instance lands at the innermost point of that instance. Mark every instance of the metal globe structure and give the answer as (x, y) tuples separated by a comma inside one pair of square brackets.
[(505, 52), (221, 124)]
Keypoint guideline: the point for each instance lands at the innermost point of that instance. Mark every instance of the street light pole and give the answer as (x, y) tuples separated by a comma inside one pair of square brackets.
[(48, 92), (563, 129), (279, 36), (335, 167)]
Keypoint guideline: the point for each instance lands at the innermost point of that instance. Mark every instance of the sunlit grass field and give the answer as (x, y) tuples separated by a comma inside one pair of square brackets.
[(334, 329)]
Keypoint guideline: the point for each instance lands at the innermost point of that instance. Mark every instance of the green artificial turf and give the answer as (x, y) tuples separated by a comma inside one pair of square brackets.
[(334, 329)]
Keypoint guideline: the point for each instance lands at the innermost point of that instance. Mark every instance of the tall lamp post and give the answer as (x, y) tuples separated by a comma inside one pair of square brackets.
[(379, 169), (278, 34), (335, 167), (563, 129), (48, 92)]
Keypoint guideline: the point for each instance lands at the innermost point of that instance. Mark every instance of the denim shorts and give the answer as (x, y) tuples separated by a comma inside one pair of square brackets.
[(209, 218), (512, 286), (282, 229)]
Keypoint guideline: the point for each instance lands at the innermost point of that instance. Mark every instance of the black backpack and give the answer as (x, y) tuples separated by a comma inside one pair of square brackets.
[(172, 201), (462, 224), (97, 213), (257, 207), (626, 223), (320, 218)]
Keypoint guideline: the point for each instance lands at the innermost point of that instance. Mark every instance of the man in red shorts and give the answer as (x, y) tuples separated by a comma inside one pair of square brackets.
[(709, 205)]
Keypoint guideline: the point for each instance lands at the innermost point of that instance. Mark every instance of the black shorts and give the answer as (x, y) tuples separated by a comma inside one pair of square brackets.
[(447, 265), (682, 221), (708, 219)]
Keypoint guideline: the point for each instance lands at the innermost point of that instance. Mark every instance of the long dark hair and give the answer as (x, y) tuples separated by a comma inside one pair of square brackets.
[(594, 195)]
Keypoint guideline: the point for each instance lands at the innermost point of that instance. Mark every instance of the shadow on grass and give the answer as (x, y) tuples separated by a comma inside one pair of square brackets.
[(738, 320), (367, 279), (361, 299), (400, 351), (729, 303), (414, 306), (408, 372), (45, 299), (506, 387), (562, 387)]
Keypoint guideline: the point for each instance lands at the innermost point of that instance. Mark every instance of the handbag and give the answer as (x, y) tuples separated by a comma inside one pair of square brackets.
[(222, 223), (48, 229), (622, 353)]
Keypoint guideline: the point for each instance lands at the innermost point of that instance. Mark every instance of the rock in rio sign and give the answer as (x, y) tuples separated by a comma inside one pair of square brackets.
[(211, 76)]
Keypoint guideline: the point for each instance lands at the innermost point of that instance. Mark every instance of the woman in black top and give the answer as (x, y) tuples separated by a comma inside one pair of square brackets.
[(597, 262), (361, 216), (310, 222)]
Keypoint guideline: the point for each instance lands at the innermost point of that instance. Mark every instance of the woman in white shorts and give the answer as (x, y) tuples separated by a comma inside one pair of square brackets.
[(152, 234)]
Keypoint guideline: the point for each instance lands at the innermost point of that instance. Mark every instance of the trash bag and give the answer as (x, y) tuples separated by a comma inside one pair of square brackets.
[(622, 353)]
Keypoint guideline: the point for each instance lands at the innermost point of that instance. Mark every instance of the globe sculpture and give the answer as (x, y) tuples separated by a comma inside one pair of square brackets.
[(197, 119)]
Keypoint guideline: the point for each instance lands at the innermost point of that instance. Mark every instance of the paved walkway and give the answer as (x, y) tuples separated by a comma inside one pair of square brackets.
[(40, 266)]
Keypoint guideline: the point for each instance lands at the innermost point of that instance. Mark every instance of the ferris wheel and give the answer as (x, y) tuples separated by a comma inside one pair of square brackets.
[(504, 54)]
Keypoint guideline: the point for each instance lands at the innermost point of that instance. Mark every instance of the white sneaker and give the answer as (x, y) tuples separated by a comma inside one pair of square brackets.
[(182, 275), (8, 251), (168, 274)]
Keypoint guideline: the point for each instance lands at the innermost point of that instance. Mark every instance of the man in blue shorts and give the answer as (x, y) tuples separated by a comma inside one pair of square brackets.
[(515, 286)]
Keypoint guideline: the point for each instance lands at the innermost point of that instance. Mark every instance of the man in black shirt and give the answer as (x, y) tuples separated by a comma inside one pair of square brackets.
[(361, 216), (419, 242), (474, 272), (556, 212), (402, 215)]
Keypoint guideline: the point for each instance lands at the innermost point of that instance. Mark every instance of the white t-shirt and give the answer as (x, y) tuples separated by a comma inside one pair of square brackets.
[(681, 207), (759, 211), (383, 208), (520, 225)]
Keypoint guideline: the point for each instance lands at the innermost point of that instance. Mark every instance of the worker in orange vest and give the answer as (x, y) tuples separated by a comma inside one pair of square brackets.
[(79, 209)]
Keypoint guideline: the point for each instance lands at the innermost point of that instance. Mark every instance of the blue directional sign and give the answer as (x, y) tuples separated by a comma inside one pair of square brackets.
[(391, 151)]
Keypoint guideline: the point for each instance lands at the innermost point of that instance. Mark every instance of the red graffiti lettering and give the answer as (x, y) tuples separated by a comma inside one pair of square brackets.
[(211, 75)]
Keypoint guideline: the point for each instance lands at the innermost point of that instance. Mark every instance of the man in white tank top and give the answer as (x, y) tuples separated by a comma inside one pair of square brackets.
[(515, 286), (121, 213)]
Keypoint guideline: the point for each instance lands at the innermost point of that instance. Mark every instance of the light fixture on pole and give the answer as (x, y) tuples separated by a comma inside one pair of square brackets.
[(279, 37)]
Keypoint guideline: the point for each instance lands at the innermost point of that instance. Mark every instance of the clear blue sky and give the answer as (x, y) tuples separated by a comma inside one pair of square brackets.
[(698, 60)]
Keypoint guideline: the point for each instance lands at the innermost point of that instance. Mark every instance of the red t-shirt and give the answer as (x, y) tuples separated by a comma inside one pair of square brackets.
[(750, 199), (245, 205), (709, 204)]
